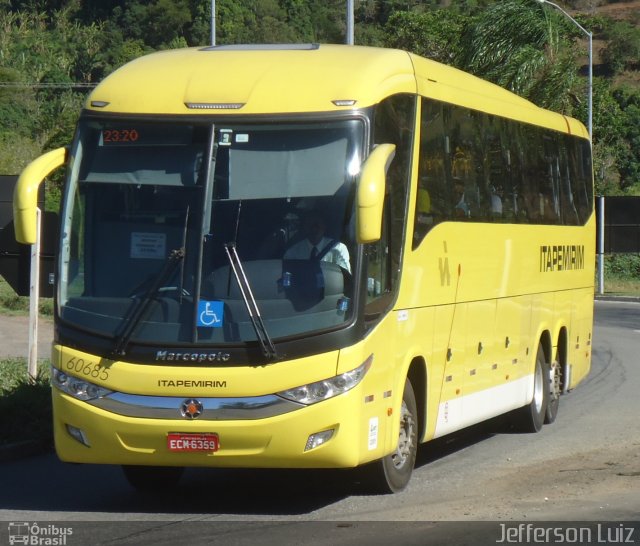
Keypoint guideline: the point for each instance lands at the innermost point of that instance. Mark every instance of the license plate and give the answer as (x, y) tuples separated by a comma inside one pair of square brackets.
[(177, 441)]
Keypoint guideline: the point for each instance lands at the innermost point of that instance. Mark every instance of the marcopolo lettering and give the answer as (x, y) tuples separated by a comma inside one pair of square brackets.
[(561, 258), (192, 357)]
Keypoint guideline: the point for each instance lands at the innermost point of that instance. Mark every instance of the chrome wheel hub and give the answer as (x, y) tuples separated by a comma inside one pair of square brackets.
[(406, 439)]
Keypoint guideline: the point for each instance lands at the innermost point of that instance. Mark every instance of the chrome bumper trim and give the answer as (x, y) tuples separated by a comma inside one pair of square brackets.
[(214, 409)]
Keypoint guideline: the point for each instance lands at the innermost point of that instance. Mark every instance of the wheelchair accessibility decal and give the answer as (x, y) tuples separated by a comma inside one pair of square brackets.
[(210, 314)]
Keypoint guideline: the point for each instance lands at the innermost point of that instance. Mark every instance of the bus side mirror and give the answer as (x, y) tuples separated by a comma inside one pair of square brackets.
[(371, 190), (25, 194)]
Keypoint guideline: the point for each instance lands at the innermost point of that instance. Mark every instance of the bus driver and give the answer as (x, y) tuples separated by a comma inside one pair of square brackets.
[(315, 246)]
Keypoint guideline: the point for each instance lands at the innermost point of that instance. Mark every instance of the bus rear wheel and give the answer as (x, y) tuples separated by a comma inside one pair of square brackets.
[(392, 473), (555, 388), (153, 479), (531, 417)]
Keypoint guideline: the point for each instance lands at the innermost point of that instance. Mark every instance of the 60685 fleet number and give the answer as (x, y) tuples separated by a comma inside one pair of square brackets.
[(87, 368)]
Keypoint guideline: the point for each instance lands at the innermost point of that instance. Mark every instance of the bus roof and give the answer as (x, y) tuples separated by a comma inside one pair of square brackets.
[(298, 78)]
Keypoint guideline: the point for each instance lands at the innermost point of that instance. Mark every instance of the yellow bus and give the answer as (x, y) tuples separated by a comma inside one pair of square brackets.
[(310, 256)]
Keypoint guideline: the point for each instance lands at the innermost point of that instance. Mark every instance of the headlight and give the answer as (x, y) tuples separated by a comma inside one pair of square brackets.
[(327, 388), (78, 388)]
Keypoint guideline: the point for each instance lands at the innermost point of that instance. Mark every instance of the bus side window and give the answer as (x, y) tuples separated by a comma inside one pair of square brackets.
[(433, 194), (477, 167), (579, 159), (568, 208)]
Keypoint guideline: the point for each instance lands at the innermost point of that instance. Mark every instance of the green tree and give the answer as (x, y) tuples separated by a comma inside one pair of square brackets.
[(623, 47), (234, 22), (156, 23), (608, 138), (628, 99), (298, 17), (17, 101), (44, 56), (518, 44), (328, 20), (16, 152), (272, 23), (434, 34)]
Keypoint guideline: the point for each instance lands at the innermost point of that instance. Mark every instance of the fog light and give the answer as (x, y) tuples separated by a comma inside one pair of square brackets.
[(78, 434), (318, 439)]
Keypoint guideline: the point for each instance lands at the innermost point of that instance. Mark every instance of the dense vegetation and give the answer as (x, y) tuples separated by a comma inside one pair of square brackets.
[(25, 406), (53, 51)]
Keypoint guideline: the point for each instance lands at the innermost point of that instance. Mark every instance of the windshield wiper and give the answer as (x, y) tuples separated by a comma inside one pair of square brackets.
[(266, 344), (134, 315)]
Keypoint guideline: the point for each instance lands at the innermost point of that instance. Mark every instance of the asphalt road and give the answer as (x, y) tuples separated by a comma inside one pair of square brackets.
[(14, 337), (583, 468)]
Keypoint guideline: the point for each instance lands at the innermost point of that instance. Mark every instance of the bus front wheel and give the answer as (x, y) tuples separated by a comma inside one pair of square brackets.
[(392, 473)]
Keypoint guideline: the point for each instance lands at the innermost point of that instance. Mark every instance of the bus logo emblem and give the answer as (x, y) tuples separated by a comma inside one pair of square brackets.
[(18, 533), (191, 408)]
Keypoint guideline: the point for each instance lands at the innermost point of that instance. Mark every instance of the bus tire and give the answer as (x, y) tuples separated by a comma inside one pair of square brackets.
[(153, 479), (392, 473), (555, 388), (531, 417)]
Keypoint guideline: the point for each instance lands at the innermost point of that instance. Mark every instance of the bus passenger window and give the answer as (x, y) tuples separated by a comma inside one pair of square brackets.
[(433, 195)]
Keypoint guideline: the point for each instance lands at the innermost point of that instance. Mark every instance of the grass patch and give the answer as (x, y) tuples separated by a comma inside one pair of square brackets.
[(622, 274), (25, 405), (621, 287), (12, 304)]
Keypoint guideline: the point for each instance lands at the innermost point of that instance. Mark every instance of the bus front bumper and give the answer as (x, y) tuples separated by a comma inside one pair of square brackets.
[(87, 434)]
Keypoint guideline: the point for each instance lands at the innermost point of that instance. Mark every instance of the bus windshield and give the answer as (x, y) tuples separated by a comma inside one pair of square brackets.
[(140, 193)]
